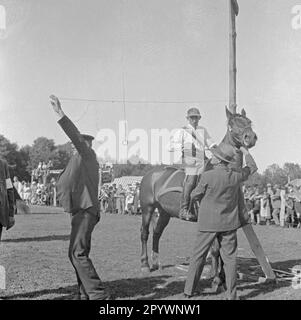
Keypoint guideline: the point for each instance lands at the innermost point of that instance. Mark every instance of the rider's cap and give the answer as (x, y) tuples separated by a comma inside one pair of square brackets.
[(193, 112)]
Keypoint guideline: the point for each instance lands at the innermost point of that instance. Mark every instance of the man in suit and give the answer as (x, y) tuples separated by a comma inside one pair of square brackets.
[(7, 199), (77, 190), (219, 216)]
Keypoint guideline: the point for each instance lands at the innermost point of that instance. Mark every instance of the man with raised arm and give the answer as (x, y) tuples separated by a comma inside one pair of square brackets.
[(77, 190), (7, 199)]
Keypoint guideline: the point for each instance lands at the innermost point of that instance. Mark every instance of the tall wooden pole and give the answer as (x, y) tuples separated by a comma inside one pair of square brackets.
[(248, 229), (232, 57)]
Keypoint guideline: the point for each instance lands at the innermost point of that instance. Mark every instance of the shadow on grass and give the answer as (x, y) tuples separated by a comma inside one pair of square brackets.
[(38, 239), (133, 288), (245, 266), (166, 286)]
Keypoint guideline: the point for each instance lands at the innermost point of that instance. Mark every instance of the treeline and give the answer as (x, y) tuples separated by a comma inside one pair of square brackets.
[(23, 160), (130, 169), (275, 174)]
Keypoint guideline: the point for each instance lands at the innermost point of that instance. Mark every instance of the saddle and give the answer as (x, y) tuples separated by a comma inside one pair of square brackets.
[(174, 183)]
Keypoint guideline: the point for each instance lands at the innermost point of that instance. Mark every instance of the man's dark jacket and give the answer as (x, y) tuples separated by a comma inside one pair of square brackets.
[(220, 194), (7, 200), (77, 187)]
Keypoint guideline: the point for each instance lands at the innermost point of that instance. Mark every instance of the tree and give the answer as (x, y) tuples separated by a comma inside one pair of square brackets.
[(275, 175), (17, 159), (255, 179), (292, 170), (40, 152)]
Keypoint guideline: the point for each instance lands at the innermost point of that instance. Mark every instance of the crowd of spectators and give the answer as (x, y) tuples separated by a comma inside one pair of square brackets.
[(36, 192), (119, 200), (280, 206), (112, 199)]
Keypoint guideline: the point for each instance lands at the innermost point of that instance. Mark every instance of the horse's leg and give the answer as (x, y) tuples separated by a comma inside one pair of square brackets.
[(160, 226), (147, 212)]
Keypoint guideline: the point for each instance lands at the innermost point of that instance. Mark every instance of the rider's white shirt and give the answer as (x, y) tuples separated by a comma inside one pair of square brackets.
[(183, 139)]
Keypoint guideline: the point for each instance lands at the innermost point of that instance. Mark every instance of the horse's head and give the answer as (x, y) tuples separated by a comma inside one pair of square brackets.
[(240, 129)]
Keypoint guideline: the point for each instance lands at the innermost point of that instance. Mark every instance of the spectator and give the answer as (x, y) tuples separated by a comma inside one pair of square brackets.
[(18, 185), (22, 190), (276, 204), (103, 197), (290, 212), (265, 209), (136, 198), (120, 199), (27, 193), (297, 206), (53, 193), (114, 199), (129, 201), (255, 213), (110, 207)]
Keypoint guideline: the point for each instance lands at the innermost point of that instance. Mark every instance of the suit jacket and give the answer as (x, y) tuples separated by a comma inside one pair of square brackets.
[(77, 187), (220, 193), (7, 201)]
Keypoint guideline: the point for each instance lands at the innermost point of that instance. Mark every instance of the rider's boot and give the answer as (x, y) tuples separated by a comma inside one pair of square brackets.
[(185, 213)]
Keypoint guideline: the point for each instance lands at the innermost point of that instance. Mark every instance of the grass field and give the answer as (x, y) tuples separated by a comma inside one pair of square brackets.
[(35, 255)]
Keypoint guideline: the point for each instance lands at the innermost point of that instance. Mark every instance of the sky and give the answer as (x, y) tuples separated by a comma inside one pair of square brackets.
[(150, 51)]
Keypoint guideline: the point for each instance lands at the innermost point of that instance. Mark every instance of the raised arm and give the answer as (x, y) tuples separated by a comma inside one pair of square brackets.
[(69, 128)]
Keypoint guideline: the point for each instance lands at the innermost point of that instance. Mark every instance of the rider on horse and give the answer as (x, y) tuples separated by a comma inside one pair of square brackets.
[(191, 140)]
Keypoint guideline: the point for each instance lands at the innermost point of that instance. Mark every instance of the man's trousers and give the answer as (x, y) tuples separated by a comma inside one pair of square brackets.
[(228, 250), (89, 283)]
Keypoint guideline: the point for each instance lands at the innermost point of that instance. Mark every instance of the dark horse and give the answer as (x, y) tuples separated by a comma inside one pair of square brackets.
[(161, 188)]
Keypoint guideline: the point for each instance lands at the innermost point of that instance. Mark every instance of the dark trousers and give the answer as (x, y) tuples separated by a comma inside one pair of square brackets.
[(228, 249), (0, 231), (188, 186), (89, 283)]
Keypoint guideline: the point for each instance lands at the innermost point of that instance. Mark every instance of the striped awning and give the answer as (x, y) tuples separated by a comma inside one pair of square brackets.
[(126, 181)]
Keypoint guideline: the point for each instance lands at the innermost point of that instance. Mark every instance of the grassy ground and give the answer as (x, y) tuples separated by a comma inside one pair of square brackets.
[(34, 254)]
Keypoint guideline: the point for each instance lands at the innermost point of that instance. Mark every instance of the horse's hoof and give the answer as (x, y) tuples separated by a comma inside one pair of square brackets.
[(145, 269)]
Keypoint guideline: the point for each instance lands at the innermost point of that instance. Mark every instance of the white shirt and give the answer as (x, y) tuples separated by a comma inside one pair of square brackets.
[(181, 142)]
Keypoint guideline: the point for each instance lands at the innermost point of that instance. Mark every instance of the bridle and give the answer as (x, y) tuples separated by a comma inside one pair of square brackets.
[(232, 135)]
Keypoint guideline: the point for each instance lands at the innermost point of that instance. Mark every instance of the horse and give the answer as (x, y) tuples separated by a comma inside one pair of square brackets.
[(161, 189)]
